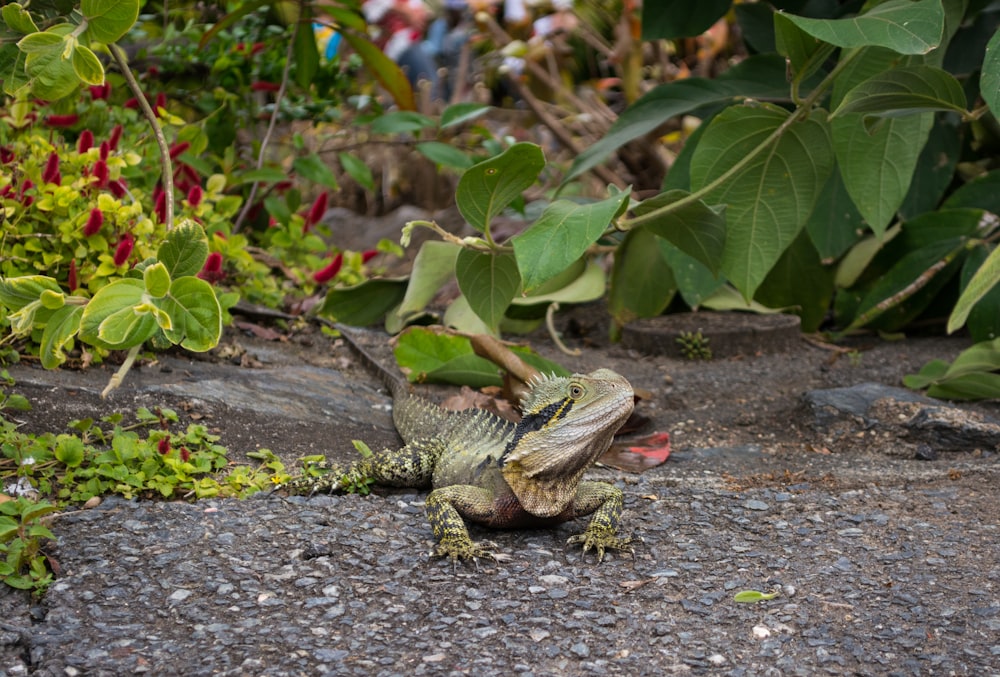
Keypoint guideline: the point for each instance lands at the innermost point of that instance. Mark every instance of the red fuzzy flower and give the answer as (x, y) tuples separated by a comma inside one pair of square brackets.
[(6, 155), (124, 249), (101, 173), (94, 222), (99, 92), (117, 188), (317, 211), (161, 102), (329, 272), (178, 148), (368, 255), (85, 142), (131, 103), (262, 86), (72, 281), (161, 206), (163, 446), (62, 120), (185, 454), (116, 135), (212, 270), (195, 196), (51, 173)]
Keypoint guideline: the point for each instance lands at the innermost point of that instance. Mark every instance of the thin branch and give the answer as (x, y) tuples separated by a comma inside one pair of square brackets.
[(167, 167), (272, 123)]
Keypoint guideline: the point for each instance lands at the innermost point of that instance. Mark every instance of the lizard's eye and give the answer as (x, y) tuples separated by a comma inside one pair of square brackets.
[(575, 391)]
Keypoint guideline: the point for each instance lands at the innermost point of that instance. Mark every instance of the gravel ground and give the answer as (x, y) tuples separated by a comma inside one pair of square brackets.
[(883, 564)]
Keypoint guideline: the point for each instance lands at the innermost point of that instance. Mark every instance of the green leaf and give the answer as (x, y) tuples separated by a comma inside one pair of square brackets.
[(805, 53), (769, 201), (110, 321), (561, 236), (357, 170), (457, 113), (989, 79), (109, 20), (87, 66), (59, 331), (753, 596), (363, 304), (985, 279), (41, 43), (17, 18), (401, 122), (50, 74), (264, 175), (17, 292), (930, 373), (425, 355), (758, 77), (641, 282), (195, 314), (904, 91), (877, 167), (983, 356), (445, 155), (184, 250), (977, 386), (305, 53), (485, 189), (383, 68), (982, 192), (157, 280), (901, 25), (669, 19), (799, 281), (835, 223), (696, 229), (589, 285), (694, 281), (52, 300), (312, 168), (983, 322), (489, 282), (69, 450), (432, 267), (935, 168)]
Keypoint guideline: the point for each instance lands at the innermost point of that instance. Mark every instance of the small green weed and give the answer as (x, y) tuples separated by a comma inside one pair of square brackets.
[(694, 346)]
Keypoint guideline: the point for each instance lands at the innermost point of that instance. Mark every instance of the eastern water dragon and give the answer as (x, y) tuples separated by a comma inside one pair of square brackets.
[(485, 469)]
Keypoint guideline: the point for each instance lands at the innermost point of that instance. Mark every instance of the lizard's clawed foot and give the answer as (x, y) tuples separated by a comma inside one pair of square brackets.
[(464, 549), (601, 540)]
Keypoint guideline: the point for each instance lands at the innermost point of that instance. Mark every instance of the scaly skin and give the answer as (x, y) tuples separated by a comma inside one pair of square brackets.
[(484, 469)]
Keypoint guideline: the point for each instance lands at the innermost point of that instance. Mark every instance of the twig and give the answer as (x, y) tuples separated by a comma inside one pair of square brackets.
[(119, 376), (550, 324)]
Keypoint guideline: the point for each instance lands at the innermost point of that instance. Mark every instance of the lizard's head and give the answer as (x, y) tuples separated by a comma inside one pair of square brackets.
[(568, 423)]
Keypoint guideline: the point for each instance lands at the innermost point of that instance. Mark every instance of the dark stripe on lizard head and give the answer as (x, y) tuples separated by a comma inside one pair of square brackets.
[(533, 422)]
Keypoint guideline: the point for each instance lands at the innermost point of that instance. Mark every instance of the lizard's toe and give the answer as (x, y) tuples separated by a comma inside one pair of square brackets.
[(600, 540)]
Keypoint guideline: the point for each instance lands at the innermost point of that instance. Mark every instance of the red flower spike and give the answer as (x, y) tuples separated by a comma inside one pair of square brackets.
[(117, 188), (99, 92), (6, 155), (72, 281), (101, 173), (317, 211), (124, 249), (189, 172), (161, 102), (152, 71), (368, 255), (161, 207), (212, 270), (8, 190), (178, 148), (262, 86), (51, 173), (185, 454), (94, 222), (85, 142), (328, 273), (27, 185), (116, 135), (62, 120), (131, 103), (195, 196), (105, 150), (163, 446)]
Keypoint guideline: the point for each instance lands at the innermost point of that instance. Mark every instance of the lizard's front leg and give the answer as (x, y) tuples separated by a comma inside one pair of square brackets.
[(445, 508), (605, 502)]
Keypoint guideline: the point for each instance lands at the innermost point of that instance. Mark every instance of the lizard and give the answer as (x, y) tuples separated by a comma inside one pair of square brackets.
[(485, 469)]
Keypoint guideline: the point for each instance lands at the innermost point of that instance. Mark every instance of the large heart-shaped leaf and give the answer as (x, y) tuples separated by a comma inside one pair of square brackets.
[(487, 188)]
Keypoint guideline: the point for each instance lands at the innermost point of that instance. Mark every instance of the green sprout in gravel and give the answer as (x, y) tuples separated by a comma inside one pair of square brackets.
[(694, 346)]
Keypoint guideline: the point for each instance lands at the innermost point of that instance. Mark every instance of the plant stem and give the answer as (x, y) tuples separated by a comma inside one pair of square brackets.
[(119, 376), (278, 97), (168, 171)]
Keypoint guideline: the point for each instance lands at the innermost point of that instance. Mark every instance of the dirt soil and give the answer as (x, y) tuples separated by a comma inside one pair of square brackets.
[(880, 536)]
